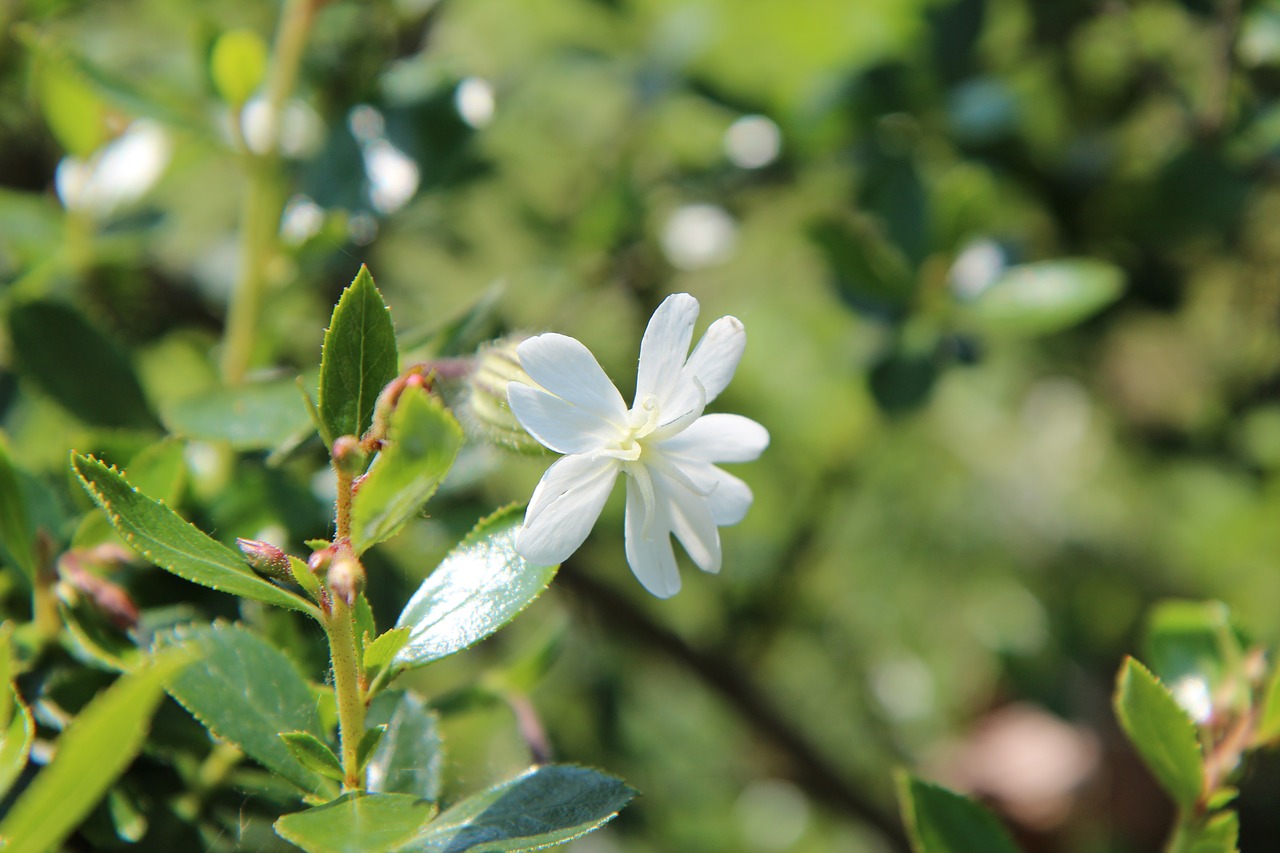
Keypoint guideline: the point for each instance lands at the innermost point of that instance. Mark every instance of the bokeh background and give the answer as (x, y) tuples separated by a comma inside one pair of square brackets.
[(965, 511)]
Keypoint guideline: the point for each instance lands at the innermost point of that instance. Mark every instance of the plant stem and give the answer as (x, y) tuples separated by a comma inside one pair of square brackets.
[(346, 685), (263, 200)]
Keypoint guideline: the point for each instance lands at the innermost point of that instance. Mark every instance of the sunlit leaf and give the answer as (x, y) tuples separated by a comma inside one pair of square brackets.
[(238, 65), (1161, 731), (164, 538), (91, 753), (357, 823), (423, 442), (379, 653), (545, 805), (481, 585), (74, 112), (359, 358), (1045, 297), (942, 821), (247, 692)]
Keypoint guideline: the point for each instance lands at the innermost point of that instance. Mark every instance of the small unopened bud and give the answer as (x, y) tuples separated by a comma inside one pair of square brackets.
[(266, 559), (110, 599), (417, 377), (319, 561), (349, 456), (487, 410), (346, 578)]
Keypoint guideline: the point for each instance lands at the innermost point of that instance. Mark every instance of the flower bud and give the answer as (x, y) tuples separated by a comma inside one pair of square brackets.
[(416, 377), (266, 559), (346, 578), (349, 456), (487, 410), (319, 561)]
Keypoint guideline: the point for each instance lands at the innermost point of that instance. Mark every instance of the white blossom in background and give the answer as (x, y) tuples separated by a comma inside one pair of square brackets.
[(118, 173), (698, 236), (474, 101), (753, 142), (664, 444)]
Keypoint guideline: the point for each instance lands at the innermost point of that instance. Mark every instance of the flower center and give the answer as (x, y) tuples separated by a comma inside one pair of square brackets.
[(641, 421)]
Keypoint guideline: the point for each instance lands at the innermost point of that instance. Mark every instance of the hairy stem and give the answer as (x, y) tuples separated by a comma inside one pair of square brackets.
[(339, 626)]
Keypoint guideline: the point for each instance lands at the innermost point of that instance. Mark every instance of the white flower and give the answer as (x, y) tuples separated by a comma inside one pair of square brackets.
[(664, 444)]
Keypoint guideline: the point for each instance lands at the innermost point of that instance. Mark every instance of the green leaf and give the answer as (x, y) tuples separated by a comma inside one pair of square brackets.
[(379, 653), (1220, 834), (362, 614), (1045, 297), (159, 469), (246, 691), (15, 740), (313, 754), (481, 585), (91, 753), (238, 65), (1268, 728), (357, 823), (1161, 731), (423, 441), (368, 743), (256, 416), (303, 577), (359, 358), (15, 526), (164, 538), (942, 821), (410, 757), (77, 117), (78, 366), (95, 636), (545, 805)]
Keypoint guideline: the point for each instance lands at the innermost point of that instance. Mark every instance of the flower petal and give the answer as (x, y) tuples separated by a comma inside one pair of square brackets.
[(559, 425), (716, 356), (649, 551), (564, 507), (719, 438), (665, 346), (727, 497), (691, 522), (566, 368)]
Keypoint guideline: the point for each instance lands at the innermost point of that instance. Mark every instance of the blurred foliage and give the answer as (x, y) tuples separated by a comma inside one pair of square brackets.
[(1011, 288)]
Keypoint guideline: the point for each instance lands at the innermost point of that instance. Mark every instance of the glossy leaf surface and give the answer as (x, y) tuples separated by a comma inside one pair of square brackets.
[(546, 805), (481, 585)]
